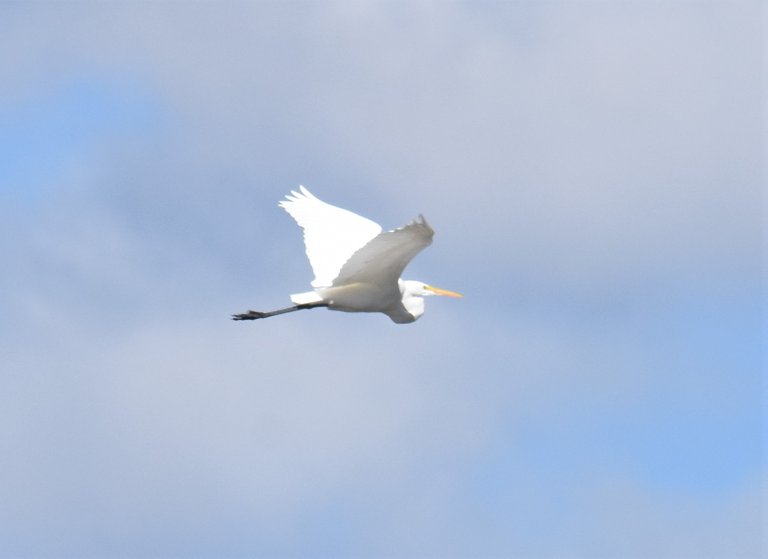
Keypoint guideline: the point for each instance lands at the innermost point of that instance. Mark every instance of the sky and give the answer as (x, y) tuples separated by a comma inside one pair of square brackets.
[(594, 174)]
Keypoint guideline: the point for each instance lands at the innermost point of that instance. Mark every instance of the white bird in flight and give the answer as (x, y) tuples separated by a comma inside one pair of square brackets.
[(357, 266)]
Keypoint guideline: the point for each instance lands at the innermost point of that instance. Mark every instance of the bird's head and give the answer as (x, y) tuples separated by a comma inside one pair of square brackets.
[(414, 291)]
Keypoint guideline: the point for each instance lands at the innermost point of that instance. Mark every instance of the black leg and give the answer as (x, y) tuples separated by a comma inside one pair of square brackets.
[(255, 315)]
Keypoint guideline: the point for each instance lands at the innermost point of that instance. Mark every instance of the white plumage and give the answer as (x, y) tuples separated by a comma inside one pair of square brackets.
[(357, 266), (331, 234)]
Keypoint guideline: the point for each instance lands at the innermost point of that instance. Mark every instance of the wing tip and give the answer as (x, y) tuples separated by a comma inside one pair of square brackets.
[(418, 221), (422, 222), (295, 196)]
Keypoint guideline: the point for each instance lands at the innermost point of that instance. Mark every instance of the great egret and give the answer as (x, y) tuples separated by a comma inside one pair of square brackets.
[(357, 266)]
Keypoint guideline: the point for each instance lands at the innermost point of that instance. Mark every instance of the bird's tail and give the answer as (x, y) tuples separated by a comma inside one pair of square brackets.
[(306, 298)]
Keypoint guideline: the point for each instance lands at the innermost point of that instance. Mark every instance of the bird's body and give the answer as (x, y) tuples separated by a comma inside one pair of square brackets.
[(357, 266), (367, 297)]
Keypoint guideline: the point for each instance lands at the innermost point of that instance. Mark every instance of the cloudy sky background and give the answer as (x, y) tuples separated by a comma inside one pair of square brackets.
[(593, 172)]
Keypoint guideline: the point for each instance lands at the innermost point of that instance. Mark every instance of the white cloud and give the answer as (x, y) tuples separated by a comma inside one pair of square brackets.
[(592, 175)]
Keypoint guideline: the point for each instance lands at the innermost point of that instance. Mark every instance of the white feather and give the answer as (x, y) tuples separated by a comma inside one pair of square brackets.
[(306, 298), (357, 266), (382, 260), (331, 234)]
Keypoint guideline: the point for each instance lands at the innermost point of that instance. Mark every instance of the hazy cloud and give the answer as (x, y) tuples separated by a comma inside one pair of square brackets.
[(594, 176)]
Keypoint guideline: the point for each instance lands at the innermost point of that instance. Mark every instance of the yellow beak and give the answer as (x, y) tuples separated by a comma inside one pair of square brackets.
[(438, 291)]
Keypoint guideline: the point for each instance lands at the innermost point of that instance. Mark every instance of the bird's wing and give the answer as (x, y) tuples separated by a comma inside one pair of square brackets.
[(331, 234), (384, 258)]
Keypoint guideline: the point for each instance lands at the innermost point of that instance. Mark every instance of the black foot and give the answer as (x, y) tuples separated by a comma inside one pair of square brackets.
[(250, 315)]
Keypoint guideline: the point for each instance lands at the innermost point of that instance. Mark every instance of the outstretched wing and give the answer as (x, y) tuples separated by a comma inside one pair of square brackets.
[(331, 234), (383, 259)]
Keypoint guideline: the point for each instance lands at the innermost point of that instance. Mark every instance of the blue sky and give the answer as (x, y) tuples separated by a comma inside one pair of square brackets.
[(593, 172)]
